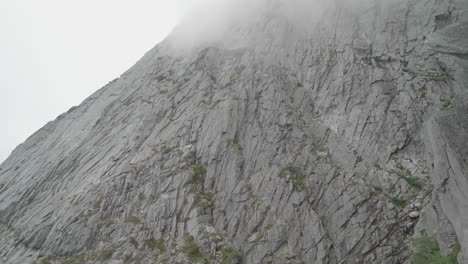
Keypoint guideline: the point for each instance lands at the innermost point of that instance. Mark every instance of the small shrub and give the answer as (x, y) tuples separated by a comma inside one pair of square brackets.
[(80, 259), (127, 259), (156, 244), (15, 232), (216, 239), (169, 149), (268, 227), (192, 250), (97, 205), (234, 142), (295, 177), (441, 77), (426, 251), (409, 71), (402, 203), (204, 200), (17, 236), (133, 219), (105, 255), (447, 103), (298, 183), (106, 224), (45, 260), (406, 175), (141, 197), (154, 151), (199, 174), (230, 256), (136, 169), (75, 259), (378, 188), (413, 181), (100, 256), (134, 242)]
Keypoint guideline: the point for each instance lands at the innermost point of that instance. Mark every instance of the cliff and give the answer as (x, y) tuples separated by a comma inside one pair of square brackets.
[(295, 132)]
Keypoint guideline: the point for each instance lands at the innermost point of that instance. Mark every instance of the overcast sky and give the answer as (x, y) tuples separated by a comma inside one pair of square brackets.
[(55, 53)]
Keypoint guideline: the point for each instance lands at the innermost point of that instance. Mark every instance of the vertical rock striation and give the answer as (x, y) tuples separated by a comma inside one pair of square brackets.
[(323, 132)]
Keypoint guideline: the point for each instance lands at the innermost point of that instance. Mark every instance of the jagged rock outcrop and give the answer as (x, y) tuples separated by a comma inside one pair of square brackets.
[(332, 139)]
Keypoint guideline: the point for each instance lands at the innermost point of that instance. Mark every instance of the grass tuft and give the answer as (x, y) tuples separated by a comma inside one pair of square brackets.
[(133, 219), (156, 244), (230, 256), (296, 177), (192, 250), (427, 251), (447, 103), (199, 174), (106, 224), (399, 202), (204, 200)]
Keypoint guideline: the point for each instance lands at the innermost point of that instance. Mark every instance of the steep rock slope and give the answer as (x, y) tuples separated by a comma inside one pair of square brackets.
[(331, 139)]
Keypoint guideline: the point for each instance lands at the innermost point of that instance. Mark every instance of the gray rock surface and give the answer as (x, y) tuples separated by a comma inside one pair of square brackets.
[(272, 142)]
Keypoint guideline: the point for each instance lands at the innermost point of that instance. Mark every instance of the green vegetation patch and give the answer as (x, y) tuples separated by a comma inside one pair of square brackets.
[(296, 177), (406, 175), (15, 232), (376, 191), (154, 244), (440, 77), (447, 103), (74, 260), (427, 251), (127, 259), (45, 260), (106, 223), (377, 188), (204, 200), (136, 169), (192, 250), (230, 256), (199, 173), (133, 219), (134, 242), (80, 259), (168, 150), (399, 202), (430, 75), (101, 256), (234, 142), (413, 181)]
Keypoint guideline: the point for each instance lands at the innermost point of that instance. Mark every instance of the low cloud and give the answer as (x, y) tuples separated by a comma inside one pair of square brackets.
[(209, 20)]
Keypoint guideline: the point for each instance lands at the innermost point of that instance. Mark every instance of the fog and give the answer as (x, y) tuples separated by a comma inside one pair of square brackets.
[(209, 21), (53, 54)]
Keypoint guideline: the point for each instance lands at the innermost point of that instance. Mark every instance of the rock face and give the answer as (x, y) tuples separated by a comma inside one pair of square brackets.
[(330, 141)]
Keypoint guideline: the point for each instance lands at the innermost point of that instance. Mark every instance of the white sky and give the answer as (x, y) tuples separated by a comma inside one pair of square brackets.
[(55, 53)]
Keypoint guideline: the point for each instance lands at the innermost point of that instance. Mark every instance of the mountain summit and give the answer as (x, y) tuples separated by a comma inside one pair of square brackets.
[(276, 131)]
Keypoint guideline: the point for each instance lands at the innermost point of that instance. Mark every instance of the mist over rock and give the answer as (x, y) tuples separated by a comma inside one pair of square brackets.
[(267, 131)]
